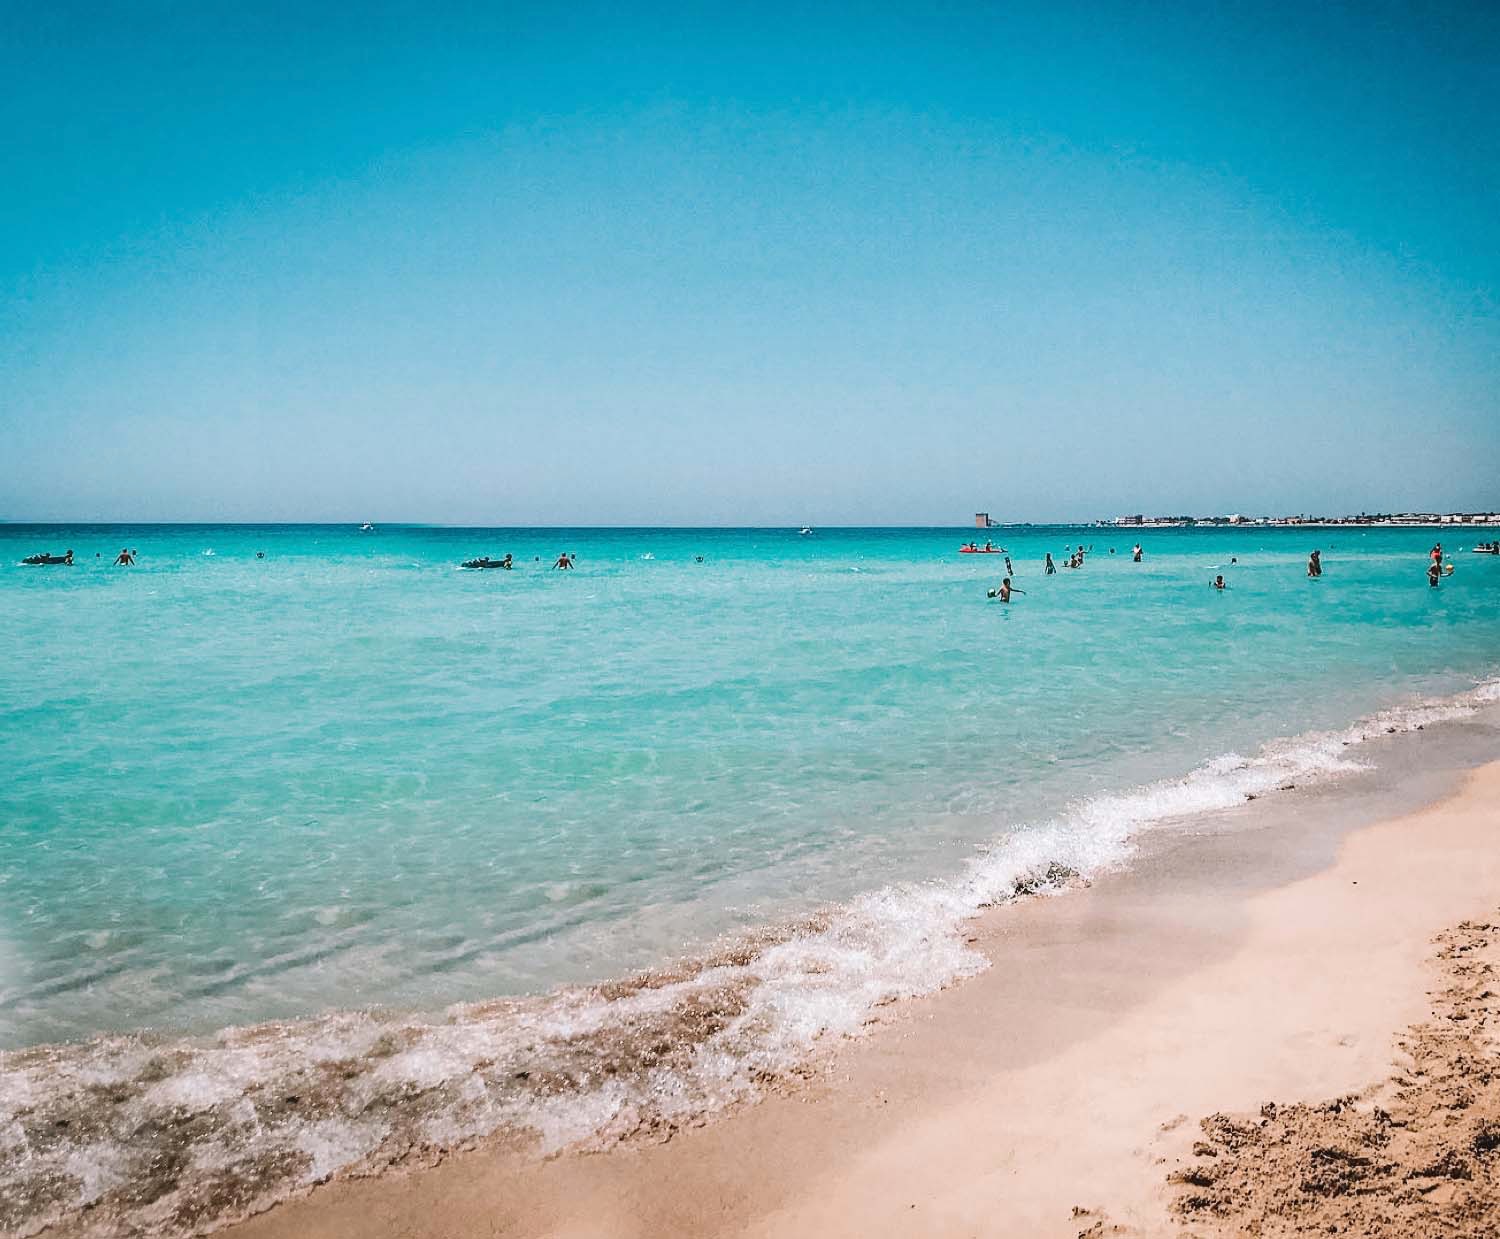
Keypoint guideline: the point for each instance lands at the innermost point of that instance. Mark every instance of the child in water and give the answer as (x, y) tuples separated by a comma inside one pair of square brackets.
[(1219, 581), (1005, 591)]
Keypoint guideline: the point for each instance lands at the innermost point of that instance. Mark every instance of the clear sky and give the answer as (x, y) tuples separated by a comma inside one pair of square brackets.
[(624, 264)]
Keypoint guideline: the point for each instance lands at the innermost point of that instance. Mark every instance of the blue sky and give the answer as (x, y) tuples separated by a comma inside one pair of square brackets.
[(674, 265)]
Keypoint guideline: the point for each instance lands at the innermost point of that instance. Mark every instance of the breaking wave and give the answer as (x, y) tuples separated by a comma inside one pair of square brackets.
[(152, 1135)]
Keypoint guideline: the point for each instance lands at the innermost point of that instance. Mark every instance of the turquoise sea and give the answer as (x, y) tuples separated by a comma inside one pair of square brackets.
[(347, 785)]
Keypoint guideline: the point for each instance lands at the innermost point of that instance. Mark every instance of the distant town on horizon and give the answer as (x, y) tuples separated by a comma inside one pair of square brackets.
[(1364, 518), (982, 520)]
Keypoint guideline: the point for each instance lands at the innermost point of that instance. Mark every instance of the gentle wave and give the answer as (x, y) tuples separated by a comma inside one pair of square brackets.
[(151, 1135)]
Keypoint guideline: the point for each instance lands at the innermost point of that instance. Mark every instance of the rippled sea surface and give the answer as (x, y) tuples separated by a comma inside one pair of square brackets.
[(352, 774)]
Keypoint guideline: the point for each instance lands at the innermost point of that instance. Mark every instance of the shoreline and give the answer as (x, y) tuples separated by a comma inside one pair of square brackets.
[(1277, 957)]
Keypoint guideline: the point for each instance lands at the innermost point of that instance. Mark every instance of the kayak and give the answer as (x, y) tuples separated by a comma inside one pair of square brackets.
[(979, 550)]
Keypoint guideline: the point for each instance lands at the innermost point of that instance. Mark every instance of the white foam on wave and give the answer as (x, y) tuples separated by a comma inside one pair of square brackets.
[(96, 1168), (268, 1110)]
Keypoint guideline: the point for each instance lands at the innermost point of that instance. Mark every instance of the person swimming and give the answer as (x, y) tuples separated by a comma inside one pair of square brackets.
[(1048, 567), (1219, 582), (124, 558)]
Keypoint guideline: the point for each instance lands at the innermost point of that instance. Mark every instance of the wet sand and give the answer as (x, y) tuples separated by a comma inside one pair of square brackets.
[(1275, 957)]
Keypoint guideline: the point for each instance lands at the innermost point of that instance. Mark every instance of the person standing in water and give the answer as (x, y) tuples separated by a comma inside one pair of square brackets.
[(1434, 571), (1005, 591), (563, 561), (1135, 553), (1315, 564), (1219, 581), (124, 558), (1049, 568)]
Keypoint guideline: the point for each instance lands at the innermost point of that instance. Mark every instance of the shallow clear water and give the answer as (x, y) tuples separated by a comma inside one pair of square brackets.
[(352, 774)]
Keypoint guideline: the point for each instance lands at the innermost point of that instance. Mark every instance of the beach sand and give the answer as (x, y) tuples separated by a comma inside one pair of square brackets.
[(1275, 959)]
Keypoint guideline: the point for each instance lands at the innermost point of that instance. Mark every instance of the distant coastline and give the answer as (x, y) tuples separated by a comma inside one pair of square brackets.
[(1395, 520)]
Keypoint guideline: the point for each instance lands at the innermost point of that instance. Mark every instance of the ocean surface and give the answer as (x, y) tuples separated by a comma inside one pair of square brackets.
[(654, 824)]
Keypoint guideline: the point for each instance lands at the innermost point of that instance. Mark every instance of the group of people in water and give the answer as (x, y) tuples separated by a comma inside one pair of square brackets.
[(125, 558), (1049, 567), (507, 561), (1437, 567), (1074, 559), (566, 561)]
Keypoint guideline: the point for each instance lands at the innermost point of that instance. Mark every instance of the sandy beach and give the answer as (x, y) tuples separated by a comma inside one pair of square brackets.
[(1231, 972)]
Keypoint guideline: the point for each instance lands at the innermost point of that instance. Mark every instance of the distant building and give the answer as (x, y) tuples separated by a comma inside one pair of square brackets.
[(982, 521)]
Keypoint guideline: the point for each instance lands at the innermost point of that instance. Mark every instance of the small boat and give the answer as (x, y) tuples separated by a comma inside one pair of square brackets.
[(367, 528), (805, 530), (1486, 550), (981, 550), (486, 562), (35, 560)]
